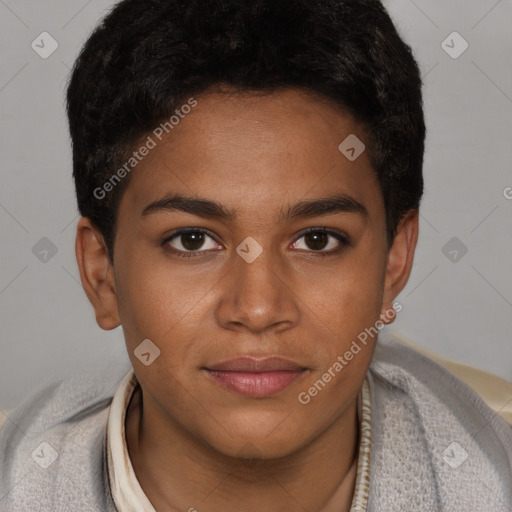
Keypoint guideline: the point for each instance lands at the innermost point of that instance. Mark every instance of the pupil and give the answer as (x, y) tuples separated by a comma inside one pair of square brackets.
[(192, 241), (317, 240)]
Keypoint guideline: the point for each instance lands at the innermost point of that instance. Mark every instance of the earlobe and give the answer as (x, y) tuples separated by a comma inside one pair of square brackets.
[(96, 274), (399, 262)]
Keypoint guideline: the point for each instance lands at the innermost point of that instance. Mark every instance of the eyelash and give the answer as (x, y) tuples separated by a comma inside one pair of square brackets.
[(343, 239)]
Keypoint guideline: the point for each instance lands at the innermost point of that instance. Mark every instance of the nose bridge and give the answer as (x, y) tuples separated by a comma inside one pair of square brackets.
[(258, 296)]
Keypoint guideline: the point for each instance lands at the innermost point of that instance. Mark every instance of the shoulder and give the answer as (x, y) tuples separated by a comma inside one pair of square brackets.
[(430, 427), (52, 445)]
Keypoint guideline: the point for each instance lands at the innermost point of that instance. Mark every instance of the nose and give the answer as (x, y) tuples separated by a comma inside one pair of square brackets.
[(258, 296)]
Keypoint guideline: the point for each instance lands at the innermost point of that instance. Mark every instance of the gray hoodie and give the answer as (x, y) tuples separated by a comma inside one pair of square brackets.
[(435, 445)]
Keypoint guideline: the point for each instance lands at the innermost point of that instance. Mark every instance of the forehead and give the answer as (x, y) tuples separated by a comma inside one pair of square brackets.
[(251, 151)]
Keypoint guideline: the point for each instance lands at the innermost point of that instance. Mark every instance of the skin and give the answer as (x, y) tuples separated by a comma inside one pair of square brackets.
[(193, 443)]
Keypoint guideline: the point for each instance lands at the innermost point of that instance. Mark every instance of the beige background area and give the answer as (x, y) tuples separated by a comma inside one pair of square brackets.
[(457, 303)]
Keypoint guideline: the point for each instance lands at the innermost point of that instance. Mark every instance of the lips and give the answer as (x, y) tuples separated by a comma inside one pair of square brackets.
[(256, 378)]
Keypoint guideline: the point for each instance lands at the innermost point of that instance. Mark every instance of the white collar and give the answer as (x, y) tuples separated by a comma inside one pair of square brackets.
[(126, 491)]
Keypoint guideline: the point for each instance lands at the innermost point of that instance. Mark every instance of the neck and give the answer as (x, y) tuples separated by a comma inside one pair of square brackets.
[(179, 472)]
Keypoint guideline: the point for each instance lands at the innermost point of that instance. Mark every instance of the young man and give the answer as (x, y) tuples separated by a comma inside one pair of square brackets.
[(249, 176)]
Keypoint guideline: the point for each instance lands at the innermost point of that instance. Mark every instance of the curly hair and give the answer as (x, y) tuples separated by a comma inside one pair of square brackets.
[(146, 56)]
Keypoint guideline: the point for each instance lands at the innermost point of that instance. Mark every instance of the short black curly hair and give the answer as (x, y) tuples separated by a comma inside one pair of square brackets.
[(146, 56)]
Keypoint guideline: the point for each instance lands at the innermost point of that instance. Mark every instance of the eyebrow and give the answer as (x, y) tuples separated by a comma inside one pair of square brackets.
[(340, 203)]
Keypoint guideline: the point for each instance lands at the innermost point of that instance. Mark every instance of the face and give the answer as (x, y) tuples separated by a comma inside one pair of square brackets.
[(276, 248)]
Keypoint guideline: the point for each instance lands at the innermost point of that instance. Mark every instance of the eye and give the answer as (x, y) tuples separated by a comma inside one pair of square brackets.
[(189, 241), (322, 240)]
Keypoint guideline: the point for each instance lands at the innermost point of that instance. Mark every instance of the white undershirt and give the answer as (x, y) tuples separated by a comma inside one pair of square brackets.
[(126, 491)]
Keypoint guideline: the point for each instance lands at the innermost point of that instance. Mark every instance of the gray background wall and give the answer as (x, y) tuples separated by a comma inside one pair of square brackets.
[(459, 307)]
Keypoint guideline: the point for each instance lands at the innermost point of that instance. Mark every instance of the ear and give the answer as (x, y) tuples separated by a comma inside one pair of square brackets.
[(399, 263), (96, 273)]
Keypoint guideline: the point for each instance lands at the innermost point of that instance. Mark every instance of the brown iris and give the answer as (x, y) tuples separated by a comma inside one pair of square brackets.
[(192, 241), (316, 240)]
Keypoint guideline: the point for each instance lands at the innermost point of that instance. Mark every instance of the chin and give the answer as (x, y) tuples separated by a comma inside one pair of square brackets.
[(255, 444)]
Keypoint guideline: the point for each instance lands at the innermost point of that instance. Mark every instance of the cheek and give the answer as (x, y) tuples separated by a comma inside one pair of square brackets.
[(347, 334), (349, 300), (162, 303), (331, 390), (156, 294)]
